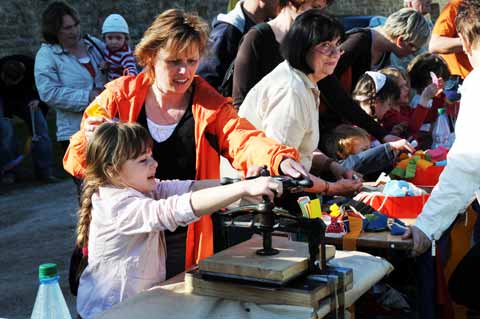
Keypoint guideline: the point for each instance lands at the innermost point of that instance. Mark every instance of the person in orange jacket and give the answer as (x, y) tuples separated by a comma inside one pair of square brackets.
[(191, 124)]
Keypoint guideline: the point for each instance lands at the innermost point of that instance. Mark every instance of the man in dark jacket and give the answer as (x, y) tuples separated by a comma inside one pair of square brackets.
[(19, 97), (227, 31)]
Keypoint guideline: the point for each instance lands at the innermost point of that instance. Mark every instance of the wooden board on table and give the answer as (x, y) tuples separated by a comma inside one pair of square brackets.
[(242, 261), (300, 292), (373, 240)]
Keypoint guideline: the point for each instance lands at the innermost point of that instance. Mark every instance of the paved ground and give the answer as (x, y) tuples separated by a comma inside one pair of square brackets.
[(37, 224)]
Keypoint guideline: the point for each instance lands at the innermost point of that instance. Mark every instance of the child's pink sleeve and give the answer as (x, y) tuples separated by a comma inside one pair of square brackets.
[(135, 214), (166, 189)]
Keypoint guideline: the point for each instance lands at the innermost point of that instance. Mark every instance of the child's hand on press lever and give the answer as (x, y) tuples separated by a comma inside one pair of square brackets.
[(264, 185)]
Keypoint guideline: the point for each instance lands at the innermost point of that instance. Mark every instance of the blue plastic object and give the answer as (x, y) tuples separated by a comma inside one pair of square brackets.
[(397, 188), (375, 222), (398, 228), (441, 163)]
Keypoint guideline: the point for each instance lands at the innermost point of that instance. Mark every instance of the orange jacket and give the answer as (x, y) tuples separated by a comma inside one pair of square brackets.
[(237, 139)]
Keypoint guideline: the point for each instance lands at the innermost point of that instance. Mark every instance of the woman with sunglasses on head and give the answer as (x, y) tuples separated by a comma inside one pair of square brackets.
[(284, 104)]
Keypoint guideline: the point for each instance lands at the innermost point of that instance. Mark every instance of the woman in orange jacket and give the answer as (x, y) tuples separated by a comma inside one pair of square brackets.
[(191, 124)]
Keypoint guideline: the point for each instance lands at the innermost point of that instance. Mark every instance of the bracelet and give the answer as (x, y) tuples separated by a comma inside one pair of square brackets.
[(327, 187)]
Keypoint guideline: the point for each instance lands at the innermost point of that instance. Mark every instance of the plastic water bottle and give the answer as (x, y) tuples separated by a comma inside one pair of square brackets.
[(441, 130), (50, 303)]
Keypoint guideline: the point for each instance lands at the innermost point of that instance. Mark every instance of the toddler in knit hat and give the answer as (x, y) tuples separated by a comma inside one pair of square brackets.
[(119, 59)]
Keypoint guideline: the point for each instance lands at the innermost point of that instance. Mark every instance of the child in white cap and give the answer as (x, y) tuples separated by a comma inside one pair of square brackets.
[(119, 59)]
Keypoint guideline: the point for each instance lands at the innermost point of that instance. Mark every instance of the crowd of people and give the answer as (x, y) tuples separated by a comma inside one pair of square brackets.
[(276, 84)]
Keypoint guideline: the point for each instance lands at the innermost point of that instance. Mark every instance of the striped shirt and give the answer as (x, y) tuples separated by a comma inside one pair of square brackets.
[(120, 63)]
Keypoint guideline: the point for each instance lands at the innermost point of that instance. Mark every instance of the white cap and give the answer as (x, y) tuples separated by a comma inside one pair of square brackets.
[(115, 23)]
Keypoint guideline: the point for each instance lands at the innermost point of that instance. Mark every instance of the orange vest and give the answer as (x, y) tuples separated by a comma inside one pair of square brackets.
[(238, 141)]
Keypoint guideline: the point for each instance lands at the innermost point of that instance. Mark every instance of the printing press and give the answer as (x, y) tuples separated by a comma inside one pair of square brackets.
[(271, 268)]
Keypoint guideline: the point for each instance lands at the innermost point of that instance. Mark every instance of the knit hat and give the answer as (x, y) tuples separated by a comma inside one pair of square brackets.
[(115, 23)]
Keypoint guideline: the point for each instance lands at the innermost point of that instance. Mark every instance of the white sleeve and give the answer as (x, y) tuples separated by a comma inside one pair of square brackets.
[(134, 215), (461, 177)]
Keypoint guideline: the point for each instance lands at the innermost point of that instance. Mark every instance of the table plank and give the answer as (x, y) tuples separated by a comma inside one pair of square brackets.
[(373, 240)]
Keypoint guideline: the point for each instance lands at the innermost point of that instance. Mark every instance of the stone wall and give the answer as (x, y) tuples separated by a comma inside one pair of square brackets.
[(371, 7), (20, 19)]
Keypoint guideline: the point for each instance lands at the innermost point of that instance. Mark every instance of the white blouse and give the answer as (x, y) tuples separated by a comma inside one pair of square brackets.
[(284, 104), (160, 133)]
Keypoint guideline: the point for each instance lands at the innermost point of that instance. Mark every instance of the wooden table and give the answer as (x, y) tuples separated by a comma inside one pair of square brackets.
[(374, 239)]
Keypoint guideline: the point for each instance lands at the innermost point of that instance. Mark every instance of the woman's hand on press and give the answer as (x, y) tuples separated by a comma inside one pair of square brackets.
[(264, 185), (292, 168), (402, 146), (345, 187)]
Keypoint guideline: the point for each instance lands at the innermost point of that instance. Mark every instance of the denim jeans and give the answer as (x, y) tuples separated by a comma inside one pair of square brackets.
[(41, 147), (372, 161), (8, 145)]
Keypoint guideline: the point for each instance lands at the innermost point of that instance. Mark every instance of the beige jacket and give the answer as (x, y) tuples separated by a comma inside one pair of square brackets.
[(284, 104)]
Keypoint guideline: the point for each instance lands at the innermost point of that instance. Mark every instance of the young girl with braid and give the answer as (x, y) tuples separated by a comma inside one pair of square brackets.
[(376, 93), (124, 211)]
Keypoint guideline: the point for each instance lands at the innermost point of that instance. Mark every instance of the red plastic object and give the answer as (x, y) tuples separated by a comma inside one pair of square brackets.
[(427, 177), (399, 207)]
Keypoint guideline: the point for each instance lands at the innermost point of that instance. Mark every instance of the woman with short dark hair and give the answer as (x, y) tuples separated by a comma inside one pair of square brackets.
[(284, 104), (259, 52)]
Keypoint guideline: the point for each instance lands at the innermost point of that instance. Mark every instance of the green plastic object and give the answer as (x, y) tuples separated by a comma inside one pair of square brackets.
[(411, 169), (441, 111), (398, 172), (46, 271)]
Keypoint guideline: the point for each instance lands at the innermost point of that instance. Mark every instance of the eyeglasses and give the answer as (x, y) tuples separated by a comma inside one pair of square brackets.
[(327, 48)]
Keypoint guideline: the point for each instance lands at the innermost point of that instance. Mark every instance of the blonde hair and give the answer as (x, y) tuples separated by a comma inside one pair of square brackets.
[(408, 24), (112, 145), (173, 30), (338, 143)]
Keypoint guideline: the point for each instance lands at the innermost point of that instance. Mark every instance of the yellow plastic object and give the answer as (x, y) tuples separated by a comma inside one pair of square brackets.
[(334, 210), (303, 203), (423, 164), (403, 156), (420, 153), (403, 163), (314, 208)]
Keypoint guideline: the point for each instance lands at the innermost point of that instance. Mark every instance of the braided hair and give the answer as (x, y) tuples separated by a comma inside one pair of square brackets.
[(112, 145)]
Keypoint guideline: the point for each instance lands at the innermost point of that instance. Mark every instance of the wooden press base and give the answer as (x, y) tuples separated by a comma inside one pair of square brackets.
[(300, 292), (241, 261)]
